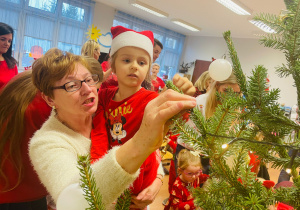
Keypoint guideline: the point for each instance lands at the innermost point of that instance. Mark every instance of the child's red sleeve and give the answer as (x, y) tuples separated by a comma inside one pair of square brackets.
[(99, 137)]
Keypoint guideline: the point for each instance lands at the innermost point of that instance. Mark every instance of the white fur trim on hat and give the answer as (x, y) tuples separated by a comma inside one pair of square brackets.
[(133, 39)]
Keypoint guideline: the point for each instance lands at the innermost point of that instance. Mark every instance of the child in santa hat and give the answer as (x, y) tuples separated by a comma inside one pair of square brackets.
[(122, 108)]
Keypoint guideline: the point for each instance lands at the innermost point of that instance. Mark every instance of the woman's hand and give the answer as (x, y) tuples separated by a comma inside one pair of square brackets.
[(158, 111), (153, 128), (184, 84)]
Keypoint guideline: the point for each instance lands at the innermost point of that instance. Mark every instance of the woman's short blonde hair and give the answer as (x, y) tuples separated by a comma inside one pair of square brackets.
[(89, 48), (186, 159), (201, 81), (155, 64), (54, 66)]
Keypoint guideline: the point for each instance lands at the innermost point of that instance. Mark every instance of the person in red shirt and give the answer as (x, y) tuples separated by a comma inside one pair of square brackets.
[(158, 84), (8, 67), (190, 175), (22, 112), (122, 108)]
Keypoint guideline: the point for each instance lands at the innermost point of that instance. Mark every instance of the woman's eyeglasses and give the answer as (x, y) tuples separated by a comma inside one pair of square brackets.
[(76, 84)]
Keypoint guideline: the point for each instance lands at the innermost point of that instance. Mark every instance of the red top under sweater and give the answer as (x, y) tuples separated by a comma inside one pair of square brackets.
[(6, 74), (117, 122), (30, 188), (156, 83)]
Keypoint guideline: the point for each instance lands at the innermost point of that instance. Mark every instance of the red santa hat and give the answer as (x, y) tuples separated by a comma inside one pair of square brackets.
[(124, 37)]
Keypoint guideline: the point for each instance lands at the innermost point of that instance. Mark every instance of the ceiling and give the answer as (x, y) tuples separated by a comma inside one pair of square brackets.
[(212, 17)]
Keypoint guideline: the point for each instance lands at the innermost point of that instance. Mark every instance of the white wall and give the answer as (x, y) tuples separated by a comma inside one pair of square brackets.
[(103, 20), (250, 54)]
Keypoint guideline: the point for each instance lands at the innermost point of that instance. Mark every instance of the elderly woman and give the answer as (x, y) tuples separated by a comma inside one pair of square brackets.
[(158, 84), (67, 85)]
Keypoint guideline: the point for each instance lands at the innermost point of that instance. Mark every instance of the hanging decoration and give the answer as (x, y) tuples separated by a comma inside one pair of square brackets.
[(93, 33), (103, 39), (220, 69)]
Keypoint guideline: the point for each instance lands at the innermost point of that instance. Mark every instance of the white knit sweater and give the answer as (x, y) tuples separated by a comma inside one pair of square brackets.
[(53, 151)]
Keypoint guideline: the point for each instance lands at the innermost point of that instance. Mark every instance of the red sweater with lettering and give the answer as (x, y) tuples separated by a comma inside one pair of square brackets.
[(30, 188), (116, 122)]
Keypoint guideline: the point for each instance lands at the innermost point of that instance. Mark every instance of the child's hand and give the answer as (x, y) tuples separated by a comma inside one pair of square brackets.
[(184, 84)]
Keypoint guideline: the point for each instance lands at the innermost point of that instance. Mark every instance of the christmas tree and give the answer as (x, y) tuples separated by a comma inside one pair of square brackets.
[(227, 134)]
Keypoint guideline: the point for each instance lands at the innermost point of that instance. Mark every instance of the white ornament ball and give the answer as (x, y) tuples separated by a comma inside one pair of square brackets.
[(72, 198), (220, 70)]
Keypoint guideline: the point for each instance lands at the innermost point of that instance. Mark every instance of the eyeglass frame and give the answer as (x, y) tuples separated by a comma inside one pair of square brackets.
[(81, 81), (192, 174)]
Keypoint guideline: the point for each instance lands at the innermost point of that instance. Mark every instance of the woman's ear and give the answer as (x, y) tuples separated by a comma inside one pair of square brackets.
[(48, 100)]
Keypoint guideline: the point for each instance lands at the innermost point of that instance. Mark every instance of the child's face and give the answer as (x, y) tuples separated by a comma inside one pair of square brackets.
[(131, 66), (190, 174)]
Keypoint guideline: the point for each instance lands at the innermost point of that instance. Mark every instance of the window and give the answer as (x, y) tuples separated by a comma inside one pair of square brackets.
[(73, 12), (43, 24), (46, 5), (14, 1), (172, 41)]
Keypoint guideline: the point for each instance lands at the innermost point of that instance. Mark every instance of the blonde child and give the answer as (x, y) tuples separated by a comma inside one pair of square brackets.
[(122, 108), (190, 175)]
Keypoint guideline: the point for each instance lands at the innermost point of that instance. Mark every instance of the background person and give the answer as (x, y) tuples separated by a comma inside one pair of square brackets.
[(190, 175), (8, 67), (91, 48), (203, 84), (68, 86), (157, 48), (22, 112), (158, 84)]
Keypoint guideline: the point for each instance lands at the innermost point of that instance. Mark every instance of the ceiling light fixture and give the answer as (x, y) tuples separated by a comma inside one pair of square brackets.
[(262, 26), (148, 8), (235, 6), (186, 25)]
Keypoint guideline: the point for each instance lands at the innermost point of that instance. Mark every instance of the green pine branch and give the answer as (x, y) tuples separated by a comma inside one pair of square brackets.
[(88, 184), (237, 69), (124, 200), (91, 192)]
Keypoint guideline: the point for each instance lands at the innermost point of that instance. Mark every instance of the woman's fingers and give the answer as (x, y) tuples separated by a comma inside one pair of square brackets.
[(169, 104)]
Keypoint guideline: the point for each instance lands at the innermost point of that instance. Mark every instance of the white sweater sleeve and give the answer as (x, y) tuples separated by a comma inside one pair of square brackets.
[(53, 151)]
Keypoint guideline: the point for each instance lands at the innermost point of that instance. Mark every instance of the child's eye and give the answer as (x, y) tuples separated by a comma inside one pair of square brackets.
[(126, 60), (142, 63)]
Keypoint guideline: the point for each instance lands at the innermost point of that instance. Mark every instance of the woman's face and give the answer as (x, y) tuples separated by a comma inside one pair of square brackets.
[(82, 102), (155, 70), (97, 53), (223, 88), (5, 42)]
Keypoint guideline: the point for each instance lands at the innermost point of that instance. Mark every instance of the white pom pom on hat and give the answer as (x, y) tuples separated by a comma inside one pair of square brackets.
[(124, 37)]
